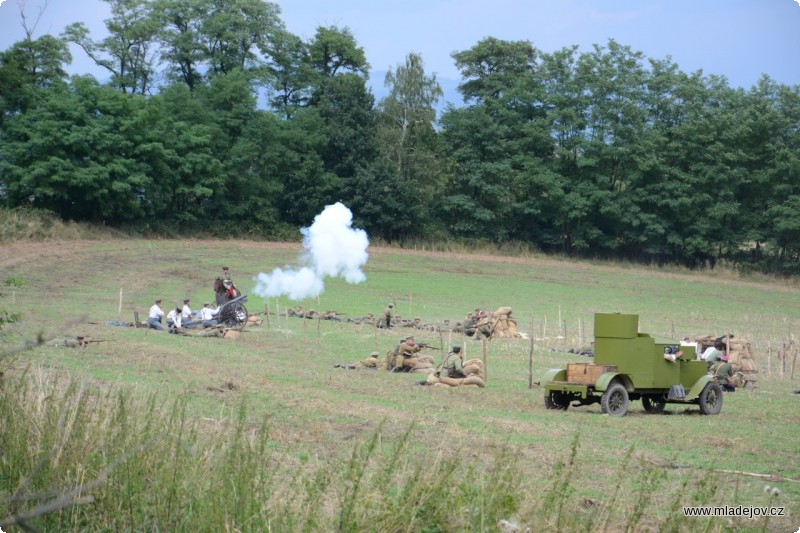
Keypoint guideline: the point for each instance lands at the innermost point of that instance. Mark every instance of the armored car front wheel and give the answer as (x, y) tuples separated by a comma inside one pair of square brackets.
[(710, 399)]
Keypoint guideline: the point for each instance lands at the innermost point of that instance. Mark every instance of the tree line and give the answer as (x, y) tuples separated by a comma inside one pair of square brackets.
[(215, 118)]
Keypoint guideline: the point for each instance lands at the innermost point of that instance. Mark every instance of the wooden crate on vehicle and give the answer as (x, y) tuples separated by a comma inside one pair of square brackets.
[(587, 373)]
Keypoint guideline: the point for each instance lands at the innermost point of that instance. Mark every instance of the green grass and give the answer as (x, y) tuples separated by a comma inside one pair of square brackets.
[(264, 432)]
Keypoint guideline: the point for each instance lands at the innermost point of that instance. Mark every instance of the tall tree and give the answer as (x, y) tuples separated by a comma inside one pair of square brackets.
[(75, 154), (238, 33), (614, 79), (181, 152), (290, 75), (27, 67), (129, 52), (345, 105), (498, 143), (335, 51), (405, 126), (181, 38)]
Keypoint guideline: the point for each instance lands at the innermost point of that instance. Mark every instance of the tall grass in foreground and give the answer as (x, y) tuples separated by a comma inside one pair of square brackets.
[(75, 457)]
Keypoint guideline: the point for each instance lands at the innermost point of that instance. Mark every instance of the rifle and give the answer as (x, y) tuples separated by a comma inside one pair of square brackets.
[(424, 345), (84, 342)]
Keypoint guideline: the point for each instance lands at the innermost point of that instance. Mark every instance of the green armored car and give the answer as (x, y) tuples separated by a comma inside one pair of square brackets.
[(629, 365)]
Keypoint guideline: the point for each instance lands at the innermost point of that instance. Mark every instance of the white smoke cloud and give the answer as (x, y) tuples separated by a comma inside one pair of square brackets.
[(333, 248)]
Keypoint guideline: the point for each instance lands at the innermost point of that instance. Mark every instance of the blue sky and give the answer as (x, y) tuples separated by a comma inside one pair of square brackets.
[(740, 39)]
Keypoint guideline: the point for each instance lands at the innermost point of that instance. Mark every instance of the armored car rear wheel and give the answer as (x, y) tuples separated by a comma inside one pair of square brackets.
[(710, 399), (615, 400), (653, 404), (556, 400)]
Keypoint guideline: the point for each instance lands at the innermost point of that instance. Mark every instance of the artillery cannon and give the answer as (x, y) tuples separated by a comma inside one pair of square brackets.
[(629, 365), (233, 313)]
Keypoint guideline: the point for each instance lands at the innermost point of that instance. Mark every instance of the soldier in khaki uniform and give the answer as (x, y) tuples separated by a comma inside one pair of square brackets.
[(453, 364), (404, 358), (388, 315), (484, 327)]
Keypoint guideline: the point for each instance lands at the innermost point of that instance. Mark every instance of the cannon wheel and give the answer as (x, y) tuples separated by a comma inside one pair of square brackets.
[(233, 315)]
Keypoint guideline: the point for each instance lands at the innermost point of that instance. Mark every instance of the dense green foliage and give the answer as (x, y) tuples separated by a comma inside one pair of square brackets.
[(216, 117)]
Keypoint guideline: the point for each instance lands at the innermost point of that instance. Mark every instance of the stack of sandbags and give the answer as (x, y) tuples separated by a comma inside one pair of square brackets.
[(704, 342), (504, 325), (739, 350), (420, 363), (473, 369), (254, 320), (741, 355)]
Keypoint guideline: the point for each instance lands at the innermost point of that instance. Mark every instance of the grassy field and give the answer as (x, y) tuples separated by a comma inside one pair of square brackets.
[(321, 448)]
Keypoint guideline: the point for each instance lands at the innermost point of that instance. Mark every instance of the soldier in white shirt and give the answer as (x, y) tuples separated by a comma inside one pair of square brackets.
[(208, 315), (186, 315), (186, 312), (174, 320), (155, 316)]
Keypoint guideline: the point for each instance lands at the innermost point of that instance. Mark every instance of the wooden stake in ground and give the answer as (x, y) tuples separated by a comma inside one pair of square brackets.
[(266, 307), (375, 334), (120, 300), (530, 359), (319, 321), (794, 362), (769, 358), (485, 367), (561, 327)]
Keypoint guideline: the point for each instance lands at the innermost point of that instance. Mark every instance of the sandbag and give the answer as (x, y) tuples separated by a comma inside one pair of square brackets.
[(472, 369), (503, 311), (453, 382), (425, 358), (369, 362), (473, 380)]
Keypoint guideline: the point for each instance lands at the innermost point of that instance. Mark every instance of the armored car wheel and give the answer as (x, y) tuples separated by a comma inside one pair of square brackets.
[(556, 400), (653, 404), (710, 399), (614, 401)]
